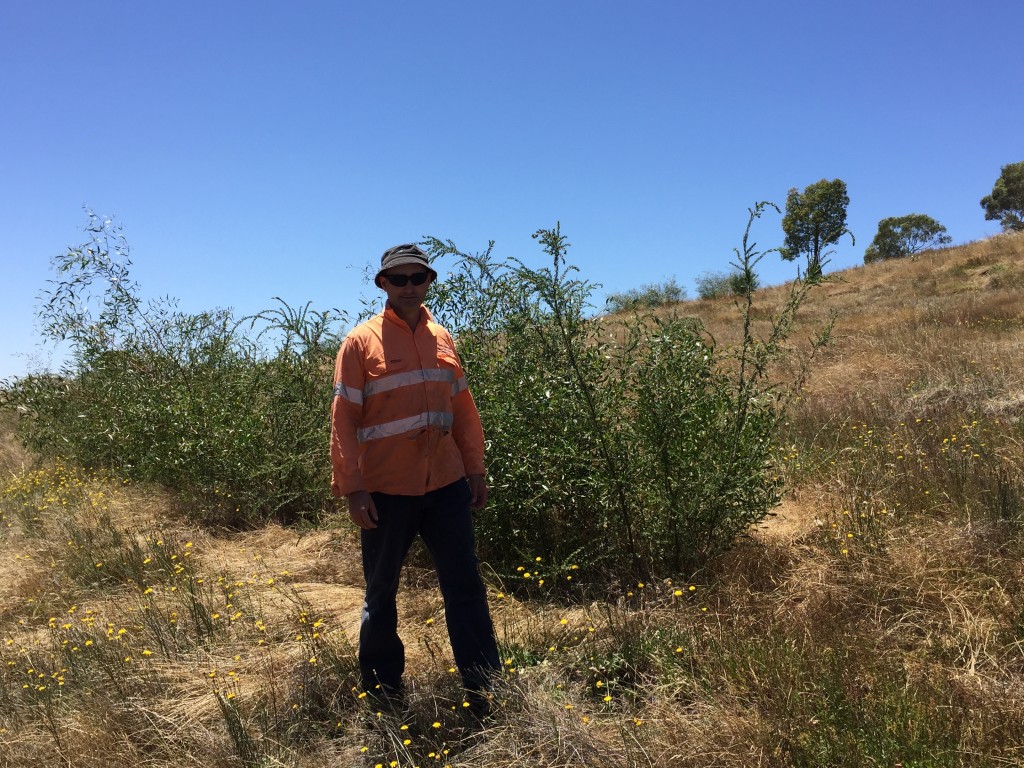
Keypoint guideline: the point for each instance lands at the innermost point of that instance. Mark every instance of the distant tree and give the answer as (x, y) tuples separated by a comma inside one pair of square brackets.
[(814, 220), (714, 285), (652, 295), (902, 236), (1006, 203), (741, 282)]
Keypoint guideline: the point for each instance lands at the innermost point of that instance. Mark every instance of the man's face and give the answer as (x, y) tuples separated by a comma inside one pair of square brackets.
[(407, 298)]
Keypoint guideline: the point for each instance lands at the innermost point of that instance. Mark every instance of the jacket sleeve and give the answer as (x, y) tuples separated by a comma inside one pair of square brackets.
[(466, 426), (346, 415), (468, 432)]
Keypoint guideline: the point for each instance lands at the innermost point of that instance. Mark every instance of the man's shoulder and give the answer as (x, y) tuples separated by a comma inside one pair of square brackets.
[(445, 342), (370, 327), (435, 328)]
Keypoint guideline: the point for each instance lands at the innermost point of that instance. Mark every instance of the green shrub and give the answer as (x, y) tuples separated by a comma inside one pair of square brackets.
[(637, 449), (644, 451), (647, 297), (714, 285), (231, 413)]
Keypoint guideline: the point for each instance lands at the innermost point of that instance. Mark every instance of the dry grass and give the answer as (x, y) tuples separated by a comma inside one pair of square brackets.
[(876, 619)]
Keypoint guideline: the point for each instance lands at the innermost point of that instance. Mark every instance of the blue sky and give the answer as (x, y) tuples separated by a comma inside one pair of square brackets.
[(260, 149)]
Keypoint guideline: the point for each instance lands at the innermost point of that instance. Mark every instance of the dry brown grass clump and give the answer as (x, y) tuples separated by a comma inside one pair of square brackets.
[(13, 456)]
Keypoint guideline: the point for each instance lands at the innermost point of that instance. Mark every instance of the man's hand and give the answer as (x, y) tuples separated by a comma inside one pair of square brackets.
[(478, 487), (362, 510)]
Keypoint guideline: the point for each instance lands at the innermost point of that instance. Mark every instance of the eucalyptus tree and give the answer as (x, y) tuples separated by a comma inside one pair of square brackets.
[(902, 236), (815, 219), (1006, 203)]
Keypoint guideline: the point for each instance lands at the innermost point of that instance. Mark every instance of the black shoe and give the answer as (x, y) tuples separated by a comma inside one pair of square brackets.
[(479, 706)]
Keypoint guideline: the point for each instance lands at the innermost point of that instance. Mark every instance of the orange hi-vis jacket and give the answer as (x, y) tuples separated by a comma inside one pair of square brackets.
[(402, 419)]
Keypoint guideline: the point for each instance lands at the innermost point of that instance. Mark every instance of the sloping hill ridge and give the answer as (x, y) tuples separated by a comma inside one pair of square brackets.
[(895, 318)]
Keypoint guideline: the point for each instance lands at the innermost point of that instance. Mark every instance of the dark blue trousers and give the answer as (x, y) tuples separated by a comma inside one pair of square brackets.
[(444, 521)]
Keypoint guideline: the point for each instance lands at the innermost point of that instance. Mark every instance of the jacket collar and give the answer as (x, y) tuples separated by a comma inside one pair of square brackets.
[(390, 315)]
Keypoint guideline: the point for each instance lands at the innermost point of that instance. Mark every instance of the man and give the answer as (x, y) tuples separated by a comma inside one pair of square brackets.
[(407, 449)]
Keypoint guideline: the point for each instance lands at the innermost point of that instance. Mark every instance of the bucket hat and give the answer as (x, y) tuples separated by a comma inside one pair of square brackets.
[(408, 253)]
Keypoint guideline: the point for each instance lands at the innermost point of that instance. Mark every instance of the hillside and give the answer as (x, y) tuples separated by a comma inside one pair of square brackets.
[(900, 319), (876, 619), (938, 336)]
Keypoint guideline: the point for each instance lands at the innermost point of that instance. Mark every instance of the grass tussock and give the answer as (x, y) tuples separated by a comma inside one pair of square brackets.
[(877, 619)]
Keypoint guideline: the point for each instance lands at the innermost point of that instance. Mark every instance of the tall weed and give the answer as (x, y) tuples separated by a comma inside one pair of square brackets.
[(637, 443)]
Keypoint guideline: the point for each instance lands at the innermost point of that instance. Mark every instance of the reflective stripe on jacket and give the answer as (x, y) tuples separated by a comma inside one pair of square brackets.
[(402, 419)]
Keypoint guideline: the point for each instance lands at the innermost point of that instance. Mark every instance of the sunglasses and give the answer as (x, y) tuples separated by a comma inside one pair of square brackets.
[(399, 281)]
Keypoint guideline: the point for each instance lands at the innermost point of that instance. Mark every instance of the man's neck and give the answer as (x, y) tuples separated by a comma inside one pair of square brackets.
[(411, 319)]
